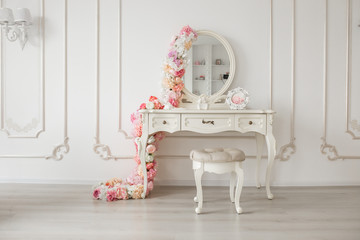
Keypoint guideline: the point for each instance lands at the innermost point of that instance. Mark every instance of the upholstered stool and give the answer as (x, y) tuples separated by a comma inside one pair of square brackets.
[(218, 160)]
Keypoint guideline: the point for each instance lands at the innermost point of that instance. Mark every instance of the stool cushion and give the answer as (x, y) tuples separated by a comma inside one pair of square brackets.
[(217, 155)]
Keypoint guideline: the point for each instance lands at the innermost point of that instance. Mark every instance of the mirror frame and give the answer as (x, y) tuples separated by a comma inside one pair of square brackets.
[(189, 96)]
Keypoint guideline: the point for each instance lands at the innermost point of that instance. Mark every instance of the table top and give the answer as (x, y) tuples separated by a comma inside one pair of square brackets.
[(212, 111)]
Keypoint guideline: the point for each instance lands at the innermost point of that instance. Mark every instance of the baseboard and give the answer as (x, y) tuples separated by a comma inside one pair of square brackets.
[(173, 182)]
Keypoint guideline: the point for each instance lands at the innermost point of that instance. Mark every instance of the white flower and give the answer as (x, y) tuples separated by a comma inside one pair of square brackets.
[(150, 105), (149, 158), (151, 140)]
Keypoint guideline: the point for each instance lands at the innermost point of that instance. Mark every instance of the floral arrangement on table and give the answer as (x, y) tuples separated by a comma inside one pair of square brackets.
[(174, 69)]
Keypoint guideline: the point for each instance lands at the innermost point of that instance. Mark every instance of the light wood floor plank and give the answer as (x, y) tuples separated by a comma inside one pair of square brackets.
[(37, 211)]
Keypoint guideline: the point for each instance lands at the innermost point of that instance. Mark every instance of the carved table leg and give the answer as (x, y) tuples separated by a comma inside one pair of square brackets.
[(259, 150), (270, 140)]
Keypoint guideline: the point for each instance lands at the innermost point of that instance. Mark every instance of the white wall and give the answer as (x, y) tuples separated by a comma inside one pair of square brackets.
[(147, 27)]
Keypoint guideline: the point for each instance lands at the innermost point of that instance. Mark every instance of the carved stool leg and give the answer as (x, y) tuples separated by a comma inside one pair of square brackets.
[(232, 186), (198, 174), (239, 185), (196, 197)]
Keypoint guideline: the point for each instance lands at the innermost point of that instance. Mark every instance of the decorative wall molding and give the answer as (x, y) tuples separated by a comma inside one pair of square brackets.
[(349, 123), (328, 149), (13, 125), (288, 149), (99, 148), (63, 148)]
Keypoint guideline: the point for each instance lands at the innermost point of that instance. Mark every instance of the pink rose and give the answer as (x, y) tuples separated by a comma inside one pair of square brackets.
[(178, 87), (143, 106), (174, 102), (111, 195), (149, 166), (151, 148), (151, 174), (187, 30), (179, 73), (96, 193), (237, 99)]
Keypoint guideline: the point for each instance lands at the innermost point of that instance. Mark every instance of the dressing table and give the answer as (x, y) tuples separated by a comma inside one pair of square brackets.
[(203, 109)]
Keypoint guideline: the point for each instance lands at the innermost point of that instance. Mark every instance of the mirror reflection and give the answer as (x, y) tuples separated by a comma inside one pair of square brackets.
[(208, 67)]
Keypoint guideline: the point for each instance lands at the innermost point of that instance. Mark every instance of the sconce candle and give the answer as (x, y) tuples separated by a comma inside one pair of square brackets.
[(15, 29)]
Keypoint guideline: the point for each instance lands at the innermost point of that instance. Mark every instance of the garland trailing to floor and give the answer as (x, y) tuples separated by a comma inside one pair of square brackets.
[(174, 70)]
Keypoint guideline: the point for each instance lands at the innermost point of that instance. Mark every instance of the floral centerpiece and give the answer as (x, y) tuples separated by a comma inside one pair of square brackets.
[(174, 69)]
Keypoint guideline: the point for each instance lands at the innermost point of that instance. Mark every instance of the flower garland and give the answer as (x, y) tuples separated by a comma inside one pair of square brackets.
[(174, 69)]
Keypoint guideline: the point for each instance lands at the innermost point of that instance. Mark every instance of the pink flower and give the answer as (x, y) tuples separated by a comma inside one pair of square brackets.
[(172, 54), (137, 131), (187, 30), (96, 193), (159, 136), (111, 195), (178, 87), (174, 102), (237, 99), (178, 62), (179, 73), (143, 106), (151, 174), (121, 193), (151, 148), (137, 159), (149, 166)]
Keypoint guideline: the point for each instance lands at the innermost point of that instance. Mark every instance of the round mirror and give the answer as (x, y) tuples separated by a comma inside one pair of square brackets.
[(211, 67)]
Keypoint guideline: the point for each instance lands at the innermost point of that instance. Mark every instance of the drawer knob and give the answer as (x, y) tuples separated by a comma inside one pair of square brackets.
[(208, 122), (250, 122), (164, 122)]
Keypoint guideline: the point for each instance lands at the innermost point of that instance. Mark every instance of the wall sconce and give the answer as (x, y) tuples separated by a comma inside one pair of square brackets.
[(15, 26)]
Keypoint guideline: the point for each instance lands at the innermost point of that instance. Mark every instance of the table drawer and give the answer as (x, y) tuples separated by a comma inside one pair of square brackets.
[(209, 123), (250, 123), (164, 122)]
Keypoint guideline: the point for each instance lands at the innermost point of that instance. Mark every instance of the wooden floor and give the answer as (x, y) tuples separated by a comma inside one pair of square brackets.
[(36, 211)]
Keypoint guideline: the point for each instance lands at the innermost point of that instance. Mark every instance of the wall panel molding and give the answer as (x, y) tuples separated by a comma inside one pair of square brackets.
[(328, 149), (290, 148), (351, 124), (8, 124), (58, 151), (99, 148)]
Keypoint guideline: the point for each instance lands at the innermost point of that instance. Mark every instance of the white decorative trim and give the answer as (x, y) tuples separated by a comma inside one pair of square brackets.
[(59, 150), (327, 149), (28, 127), (290, 148), (99, 148), (271, 54), (42, 82), (348, 71)]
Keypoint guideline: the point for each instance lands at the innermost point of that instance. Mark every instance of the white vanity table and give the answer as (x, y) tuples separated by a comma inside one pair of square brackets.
[(215, 116), (212, 121)]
